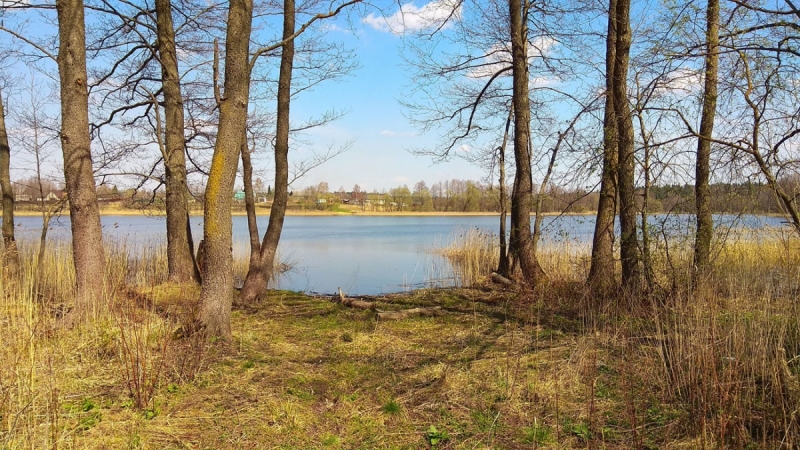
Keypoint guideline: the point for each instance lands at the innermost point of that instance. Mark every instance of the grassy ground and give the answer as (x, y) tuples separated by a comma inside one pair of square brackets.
[(497, 369), (307, 373)]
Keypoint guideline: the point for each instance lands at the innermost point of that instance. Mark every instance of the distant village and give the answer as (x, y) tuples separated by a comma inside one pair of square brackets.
[(445, 196)]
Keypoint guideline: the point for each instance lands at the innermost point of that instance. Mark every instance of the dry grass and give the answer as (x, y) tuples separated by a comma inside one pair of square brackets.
[(499, 369)]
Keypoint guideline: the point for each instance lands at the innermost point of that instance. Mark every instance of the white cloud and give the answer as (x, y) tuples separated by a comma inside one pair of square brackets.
[(414, 18), (499, 56), (335, 28), (392, 133), (686, 80), (401, 179), (464, 148)]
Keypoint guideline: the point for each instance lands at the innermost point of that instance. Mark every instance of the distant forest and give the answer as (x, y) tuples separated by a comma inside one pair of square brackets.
[(471, 196)]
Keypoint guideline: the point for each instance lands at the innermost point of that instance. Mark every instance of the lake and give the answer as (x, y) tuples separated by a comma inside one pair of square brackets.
[(364, 255)]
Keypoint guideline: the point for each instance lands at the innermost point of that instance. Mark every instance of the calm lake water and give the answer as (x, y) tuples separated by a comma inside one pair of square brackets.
[(362, 255)]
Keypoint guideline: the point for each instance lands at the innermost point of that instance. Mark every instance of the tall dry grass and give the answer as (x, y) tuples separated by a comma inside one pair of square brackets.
[(727, 353), (474, 253), (50, 375)]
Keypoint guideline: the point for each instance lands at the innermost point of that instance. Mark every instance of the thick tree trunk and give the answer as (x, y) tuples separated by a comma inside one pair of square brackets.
[(601, 272), (216, 293), (9, 262), (629, 242), (705, 223), (521, 242), (87, 237), (258, 274), (180, 254)]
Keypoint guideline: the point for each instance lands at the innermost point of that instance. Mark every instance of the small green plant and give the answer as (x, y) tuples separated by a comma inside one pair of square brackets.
[(579, 429), (391, 407), (329, 440), (89, 414), (87, 405), (484, 420), (538, 434), (135, 441), (602, 390), (655, 416), (248, 364), (435, 437)]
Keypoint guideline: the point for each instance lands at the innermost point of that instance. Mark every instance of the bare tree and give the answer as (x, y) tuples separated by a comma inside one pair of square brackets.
[(139, 44), (10, 260), (180, 250), (216, 294), (503, 266), (468, 93), (521, 242), (259, 271), (87, 238), (705, 222), (37, 132), (626, 163), (601, 272)]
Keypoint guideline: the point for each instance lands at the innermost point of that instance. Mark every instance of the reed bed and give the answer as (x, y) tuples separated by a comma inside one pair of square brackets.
[(725, 355), (474, 253)]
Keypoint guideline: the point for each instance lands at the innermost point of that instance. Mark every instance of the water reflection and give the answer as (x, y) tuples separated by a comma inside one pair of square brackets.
[(368, 254)]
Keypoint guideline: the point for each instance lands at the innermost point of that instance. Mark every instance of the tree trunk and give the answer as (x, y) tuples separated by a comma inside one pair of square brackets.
[(10, 259), (250, 203), (537, 222), (258, 274), (180, 254), (521, 242), (47, 211), (87, 237), (216, 293), (647, 260), (629, 242), (504, 266), (601, 271), (705, 223)]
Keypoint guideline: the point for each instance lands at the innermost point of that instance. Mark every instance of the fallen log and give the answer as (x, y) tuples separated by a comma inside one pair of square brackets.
[(387, 315), (499, 279), (353, 303), (406, 313)]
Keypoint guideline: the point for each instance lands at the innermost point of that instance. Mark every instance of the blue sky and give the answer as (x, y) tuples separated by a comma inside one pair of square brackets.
[(382, 137), (380, 157)]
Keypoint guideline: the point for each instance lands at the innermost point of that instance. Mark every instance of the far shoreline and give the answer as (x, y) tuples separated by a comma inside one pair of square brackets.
[(299, 213)]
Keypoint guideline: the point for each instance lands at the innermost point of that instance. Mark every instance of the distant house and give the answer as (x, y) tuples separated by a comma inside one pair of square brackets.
[(321, 201), (52, 196), (22, 197), (238, 196)]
